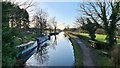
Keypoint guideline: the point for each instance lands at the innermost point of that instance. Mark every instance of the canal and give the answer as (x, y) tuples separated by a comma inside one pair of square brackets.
[(58, 51)]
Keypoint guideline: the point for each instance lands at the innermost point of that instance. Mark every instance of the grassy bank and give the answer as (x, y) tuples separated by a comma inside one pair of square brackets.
[(77, 51), (98, 57), (99, 37)]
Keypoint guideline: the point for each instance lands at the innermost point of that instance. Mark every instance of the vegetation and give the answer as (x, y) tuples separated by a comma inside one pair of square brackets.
[(99, 37), (41, 19), (77, 51), (100, 59), (91, 28), (116, 56), (98, 13), (54, 23), (97, 56), (99, 17), (12, 32), (16, 29)]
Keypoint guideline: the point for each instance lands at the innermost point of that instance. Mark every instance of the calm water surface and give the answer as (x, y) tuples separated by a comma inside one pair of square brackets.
[(56, 52)]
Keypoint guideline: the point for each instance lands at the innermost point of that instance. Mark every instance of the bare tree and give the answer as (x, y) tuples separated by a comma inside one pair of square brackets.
[(54, 23), (49, 26), (107, 13), (41, 18), (80, 21)]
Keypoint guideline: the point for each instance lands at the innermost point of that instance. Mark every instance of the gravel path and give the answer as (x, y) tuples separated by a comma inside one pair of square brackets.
[(87, 61)]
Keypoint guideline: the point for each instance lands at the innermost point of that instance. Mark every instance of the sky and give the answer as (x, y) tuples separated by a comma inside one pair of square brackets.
[(64, 12)]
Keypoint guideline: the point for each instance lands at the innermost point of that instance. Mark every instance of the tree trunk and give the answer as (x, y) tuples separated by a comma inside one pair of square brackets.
[(92, 35), (111, 36), (55, 29), (41, 29)]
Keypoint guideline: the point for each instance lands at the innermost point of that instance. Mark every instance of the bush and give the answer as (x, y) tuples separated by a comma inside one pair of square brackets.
[(116, 55), (9, 55), (100, 31), (8, 35), (16, 41)]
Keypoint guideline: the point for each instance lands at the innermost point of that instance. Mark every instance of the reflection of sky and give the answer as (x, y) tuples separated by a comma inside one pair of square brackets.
[(62, 55)]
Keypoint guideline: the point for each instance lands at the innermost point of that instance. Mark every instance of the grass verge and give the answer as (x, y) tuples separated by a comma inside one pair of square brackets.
[(77, 51), (99, 37), (98, 57)]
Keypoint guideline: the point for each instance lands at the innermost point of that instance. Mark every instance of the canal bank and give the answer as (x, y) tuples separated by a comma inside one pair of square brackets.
[(77, 51)]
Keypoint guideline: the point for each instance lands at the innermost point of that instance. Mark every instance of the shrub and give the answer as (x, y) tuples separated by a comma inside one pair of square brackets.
[(116, 55)]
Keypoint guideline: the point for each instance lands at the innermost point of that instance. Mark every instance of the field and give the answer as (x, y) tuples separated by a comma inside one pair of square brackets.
[(99, 37)]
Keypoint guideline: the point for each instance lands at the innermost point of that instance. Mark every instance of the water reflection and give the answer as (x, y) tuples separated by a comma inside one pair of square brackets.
[(42, 54), (53, 41), (58, 51)]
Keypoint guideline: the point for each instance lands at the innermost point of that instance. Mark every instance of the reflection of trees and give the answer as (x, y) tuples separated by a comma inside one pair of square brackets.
[(65, 34), (66, 37), (42, 54), (54, 42)]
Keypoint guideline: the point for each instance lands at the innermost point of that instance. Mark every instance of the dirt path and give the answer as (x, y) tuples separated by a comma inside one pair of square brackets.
[(87, 61)]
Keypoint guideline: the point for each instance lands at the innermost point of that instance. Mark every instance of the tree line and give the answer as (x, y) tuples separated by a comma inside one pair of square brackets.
[(16, 28), (100, 15)]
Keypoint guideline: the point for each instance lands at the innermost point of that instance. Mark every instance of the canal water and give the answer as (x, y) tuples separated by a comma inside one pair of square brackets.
[(58, 51)]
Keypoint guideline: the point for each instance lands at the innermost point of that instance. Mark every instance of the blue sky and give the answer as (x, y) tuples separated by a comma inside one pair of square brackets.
[(65, 12)]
